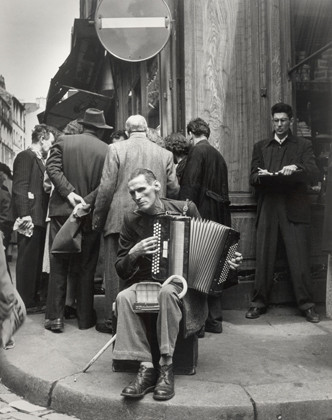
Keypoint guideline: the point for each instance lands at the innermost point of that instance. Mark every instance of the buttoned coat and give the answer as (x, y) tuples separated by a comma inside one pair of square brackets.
[(113, 199), (28, 195), (75, 165), (294, 187)]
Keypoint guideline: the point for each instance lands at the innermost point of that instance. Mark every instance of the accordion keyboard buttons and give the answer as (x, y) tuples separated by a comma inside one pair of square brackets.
[(156, 256)]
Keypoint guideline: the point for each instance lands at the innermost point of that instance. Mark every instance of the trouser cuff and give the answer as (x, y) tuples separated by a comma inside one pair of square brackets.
[(306, 306)]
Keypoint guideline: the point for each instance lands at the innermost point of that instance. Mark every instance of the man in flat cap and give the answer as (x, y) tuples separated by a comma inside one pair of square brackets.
[(75, 166)]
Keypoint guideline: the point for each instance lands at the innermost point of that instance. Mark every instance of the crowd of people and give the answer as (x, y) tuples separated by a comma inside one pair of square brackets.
[(72, 191)]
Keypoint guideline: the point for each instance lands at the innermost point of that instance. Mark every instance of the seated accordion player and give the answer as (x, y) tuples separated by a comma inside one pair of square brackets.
[(196, 249)]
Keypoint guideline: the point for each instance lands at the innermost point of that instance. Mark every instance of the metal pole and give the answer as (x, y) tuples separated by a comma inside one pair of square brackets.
[(327, 46)]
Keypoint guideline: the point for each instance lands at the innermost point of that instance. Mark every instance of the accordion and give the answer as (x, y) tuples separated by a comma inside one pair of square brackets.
[(196, 249)]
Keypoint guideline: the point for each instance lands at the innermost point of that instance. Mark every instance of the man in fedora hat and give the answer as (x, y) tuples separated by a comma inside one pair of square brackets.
[(75, 167)]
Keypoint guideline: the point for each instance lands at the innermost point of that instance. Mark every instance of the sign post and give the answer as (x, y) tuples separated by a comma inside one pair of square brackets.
[(133, 30)]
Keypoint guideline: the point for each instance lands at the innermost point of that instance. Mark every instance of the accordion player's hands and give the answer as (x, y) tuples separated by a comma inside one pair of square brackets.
[(144, 247), (235, 262)]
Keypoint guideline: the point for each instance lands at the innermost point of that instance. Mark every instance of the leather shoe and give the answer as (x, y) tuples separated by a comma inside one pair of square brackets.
[(104, 328), (70, 312), (145, 382), (255, 312), (164, 389), (215, 327), (201, 333), (54, 325), (311, 315)]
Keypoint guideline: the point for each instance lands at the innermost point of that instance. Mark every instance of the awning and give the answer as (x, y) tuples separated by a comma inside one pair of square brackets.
[(81, 71), (74, 107)]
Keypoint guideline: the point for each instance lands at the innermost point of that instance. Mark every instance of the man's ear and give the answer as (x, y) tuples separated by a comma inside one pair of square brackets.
[(157, 185)]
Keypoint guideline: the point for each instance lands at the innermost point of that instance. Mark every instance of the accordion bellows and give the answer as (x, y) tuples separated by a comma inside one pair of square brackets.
[(196, 249)]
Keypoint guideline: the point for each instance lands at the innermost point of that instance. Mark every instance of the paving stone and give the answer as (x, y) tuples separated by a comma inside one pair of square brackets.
[(26, 407), (7, 409), (8, 398), (6, 416), (44, 412), (58, 416), (23, 416), (3, 389)]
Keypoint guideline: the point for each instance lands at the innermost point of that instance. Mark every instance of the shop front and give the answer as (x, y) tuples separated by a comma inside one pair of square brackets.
[(227, 61)]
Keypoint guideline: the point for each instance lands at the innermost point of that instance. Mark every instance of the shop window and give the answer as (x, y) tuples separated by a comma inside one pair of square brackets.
[(313, 78)]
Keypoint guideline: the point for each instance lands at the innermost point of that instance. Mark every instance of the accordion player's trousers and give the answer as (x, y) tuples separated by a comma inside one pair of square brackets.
[(131, 338)]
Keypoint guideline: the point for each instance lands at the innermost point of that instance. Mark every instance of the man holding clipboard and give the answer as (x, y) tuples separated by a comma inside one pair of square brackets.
[(282, 167)]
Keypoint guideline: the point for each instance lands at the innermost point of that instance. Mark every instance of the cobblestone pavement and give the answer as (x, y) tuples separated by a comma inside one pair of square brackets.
[(13, 407)]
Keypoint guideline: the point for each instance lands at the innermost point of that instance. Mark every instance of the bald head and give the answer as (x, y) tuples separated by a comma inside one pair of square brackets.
[(136, 123)]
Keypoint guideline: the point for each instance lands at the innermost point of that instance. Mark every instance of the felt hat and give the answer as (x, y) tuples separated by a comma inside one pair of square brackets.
[(95, 118)]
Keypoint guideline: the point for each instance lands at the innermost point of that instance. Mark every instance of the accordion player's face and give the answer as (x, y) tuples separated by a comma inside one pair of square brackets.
[(143, 193)]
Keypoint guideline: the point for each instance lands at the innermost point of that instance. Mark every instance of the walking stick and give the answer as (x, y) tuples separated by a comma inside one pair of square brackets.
[(100, 352)]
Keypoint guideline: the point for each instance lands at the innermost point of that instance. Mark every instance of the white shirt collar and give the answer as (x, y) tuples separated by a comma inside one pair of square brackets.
[(280, 140)]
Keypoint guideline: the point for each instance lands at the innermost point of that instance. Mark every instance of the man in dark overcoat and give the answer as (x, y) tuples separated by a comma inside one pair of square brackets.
[(28, 209), (282, 167), (205, 182), (74, 167)]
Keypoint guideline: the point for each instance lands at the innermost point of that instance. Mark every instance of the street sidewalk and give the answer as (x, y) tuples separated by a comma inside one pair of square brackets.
[(13, 407), (276, 367)]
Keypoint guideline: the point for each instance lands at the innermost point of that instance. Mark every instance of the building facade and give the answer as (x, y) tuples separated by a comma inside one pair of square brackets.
[(227, 61), (18, 124), (12, 125)]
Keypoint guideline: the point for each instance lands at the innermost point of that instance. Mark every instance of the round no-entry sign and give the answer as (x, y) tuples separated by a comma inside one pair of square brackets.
[(133, 30)]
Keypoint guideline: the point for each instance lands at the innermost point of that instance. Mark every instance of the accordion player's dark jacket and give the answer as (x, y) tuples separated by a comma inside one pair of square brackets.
[(137, 226)]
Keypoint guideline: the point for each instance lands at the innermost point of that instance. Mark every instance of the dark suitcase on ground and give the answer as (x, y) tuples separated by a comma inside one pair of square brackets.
[(185, 355)]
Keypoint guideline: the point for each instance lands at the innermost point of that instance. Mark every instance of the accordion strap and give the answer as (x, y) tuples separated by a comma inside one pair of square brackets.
[(182, 280)]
